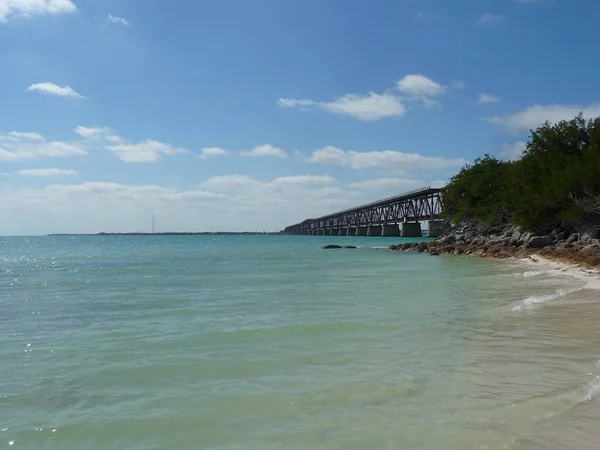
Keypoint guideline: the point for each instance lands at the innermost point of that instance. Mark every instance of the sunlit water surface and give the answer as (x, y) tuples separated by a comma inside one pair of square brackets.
[(269, 342)]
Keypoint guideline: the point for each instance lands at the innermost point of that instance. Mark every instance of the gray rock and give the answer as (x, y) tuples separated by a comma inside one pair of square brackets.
[(573, 238), (460, 242), (593, 232), (350, 246), (561, 236), (515, 238), (393, 247), (539, 241), (329, 247)]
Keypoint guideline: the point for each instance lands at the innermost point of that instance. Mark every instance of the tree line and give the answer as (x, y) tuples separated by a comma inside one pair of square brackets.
[(557, 179)]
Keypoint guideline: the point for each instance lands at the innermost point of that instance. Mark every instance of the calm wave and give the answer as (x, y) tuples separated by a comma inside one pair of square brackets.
[(269, 342)]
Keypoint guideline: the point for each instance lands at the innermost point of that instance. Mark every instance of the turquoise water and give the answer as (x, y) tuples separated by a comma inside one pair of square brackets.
[(269, 342)]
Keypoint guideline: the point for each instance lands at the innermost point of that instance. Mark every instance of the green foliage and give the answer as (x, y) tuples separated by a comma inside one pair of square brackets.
[(557, 175)]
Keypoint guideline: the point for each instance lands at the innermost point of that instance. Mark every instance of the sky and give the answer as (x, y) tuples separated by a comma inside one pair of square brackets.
[(241, 115)]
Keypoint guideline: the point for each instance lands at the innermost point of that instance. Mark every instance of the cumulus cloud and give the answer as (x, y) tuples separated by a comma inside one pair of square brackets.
[(227, 202), (31, 8), (53, 89), (118, 20), (91, 133), (306, 180), (146, 151), (266, 151), (382, 184), (387, 159), (22, 146), (489, 19), (420, 85), (230, 182), (46, 172), (534, 116), (514, 151), (487, 98), (210, 152), (369, 107)]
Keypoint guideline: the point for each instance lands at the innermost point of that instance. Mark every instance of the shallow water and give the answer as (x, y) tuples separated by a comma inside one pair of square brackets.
[(268, 342)]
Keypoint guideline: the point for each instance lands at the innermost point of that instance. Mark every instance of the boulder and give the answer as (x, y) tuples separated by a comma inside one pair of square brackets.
[(539, 241), (393, 247), (515, 238), (353, 246), (573, 238), (434, 253), (330, 246)]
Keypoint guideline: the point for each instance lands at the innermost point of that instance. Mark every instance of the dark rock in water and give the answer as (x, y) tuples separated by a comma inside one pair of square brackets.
[(393, 247), (329, 247), (539, 241), (350, 246), (434, 253)]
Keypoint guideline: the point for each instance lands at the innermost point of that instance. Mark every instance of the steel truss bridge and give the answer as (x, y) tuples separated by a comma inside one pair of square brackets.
[(399, 215)]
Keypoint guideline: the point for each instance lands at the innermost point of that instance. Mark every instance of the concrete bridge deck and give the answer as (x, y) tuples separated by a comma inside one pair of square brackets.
[(399, 215)]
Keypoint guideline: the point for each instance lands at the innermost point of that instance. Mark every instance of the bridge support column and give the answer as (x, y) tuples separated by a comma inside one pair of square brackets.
[(374, 230), (352, 231), (334, 232), (390, 230), (361, 231), (435, 228), (411, 229), (344, 231), (322, 232)]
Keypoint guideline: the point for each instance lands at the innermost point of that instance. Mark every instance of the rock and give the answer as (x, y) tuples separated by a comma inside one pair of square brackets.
[(539, 241), (459, 237), (460, 242), (593, 232), (573, 238), (352, 246), (393, 247), (434, 253), (515, 238), (421, 247), (561, 236), (329, 247)]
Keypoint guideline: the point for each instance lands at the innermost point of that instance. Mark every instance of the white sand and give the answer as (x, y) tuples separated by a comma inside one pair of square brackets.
[(560, 268)]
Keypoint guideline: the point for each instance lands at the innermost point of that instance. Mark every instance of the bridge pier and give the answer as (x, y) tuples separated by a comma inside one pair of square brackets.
[(361, 231), (435, 228), (374, 230), (322, 232), (344, 231), (390, 230), (352, 231), (411, 229), (334, 232)]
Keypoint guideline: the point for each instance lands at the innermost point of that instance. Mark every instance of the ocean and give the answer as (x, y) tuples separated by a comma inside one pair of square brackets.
[(269, 342)]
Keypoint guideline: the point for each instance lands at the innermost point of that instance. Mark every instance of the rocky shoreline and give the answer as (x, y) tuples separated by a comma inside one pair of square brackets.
[(564, 243)]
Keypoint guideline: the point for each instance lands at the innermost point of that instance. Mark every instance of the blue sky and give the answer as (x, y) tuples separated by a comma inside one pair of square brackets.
[(241, 115)]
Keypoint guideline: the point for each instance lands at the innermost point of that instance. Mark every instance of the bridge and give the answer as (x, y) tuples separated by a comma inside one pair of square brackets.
[(399, 215)]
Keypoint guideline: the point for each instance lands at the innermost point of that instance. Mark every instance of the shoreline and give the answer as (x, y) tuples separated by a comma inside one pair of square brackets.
[(562, 249)]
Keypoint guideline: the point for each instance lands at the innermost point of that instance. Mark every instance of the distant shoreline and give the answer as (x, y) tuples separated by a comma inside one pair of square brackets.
[(173, 233)]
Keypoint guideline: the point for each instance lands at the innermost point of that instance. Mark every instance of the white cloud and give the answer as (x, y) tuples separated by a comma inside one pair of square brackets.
[(459, 85), (22, 146), (53, 89), (118, 20), (91, 133), (513, 151), (146, 151), (489, 18), (487, 98), (388, 183), (230, 182), (212, 151), (387, 158), (369, 107), (420, 86), (265, 150), (534, 116), (46, 172), (103, 206), (31, 8), (305, 180)]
